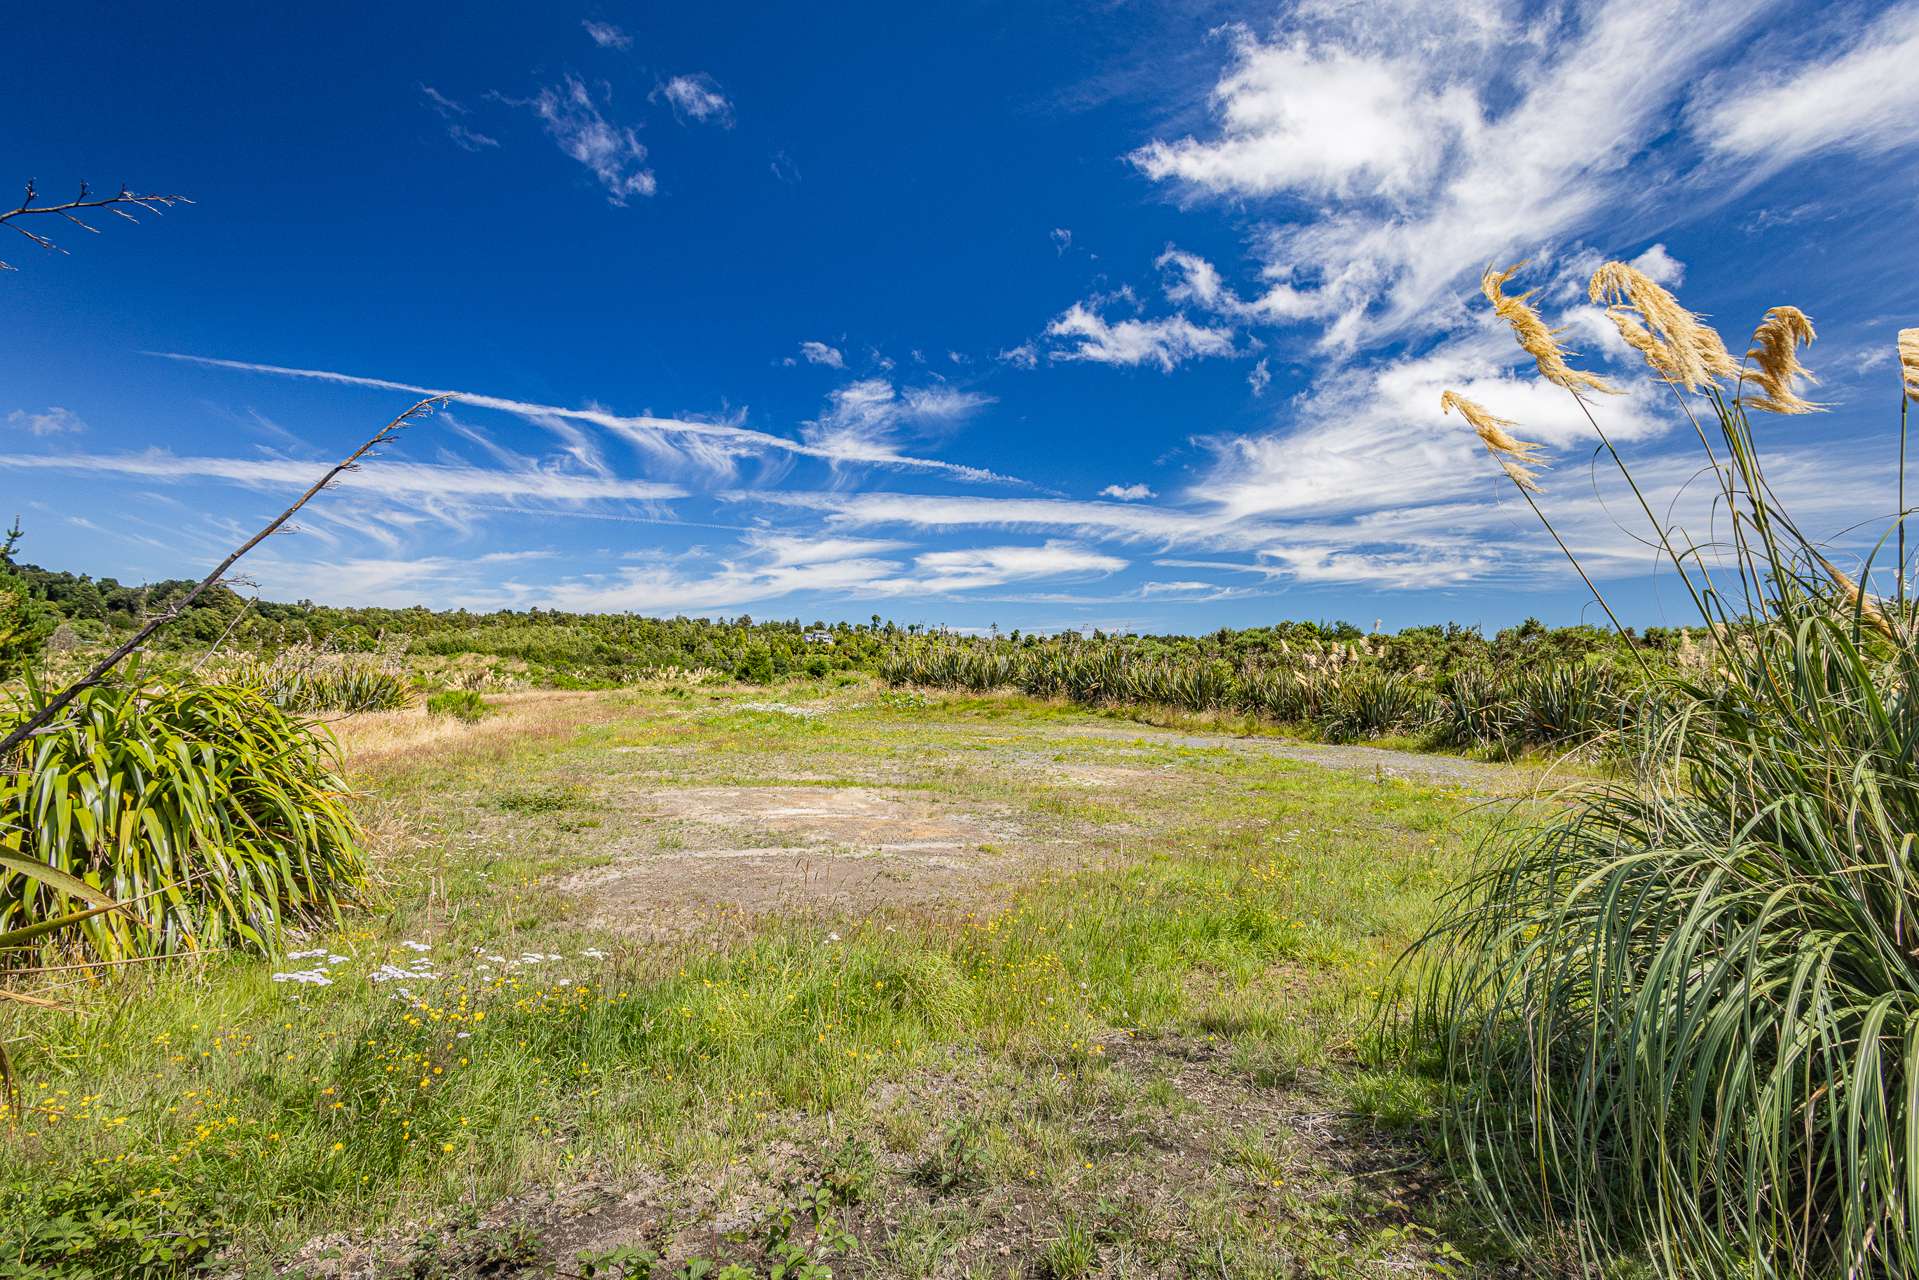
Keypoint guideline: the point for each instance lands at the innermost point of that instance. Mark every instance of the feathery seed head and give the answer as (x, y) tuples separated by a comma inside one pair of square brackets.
[(1492, 430), (1533, 335), (1520, 475), (1909, 360), (1869, 611), (1676, 343), (1775, 355)]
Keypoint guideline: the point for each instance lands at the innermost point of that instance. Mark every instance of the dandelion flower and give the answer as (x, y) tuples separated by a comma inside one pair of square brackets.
[(1775, 355), (1676, 343), (1909, 360), (1535, 339)]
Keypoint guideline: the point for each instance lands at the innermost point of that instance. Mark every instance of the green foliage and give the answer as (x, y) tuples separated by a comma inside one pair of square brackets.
[(1557, 689), (103, 1222), (214, 816), (308, 681), (461, 704), (25, 624), (1680, 1017)]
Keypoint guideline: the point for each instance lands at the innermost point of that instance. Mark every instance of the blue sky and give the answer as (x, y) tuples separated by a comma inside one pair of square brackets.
[(1043, 315)]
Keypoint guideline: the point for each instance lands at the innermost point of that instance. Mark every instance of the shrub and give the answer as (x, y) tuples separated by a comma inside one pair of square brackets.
[(1681, 1016), (461, 704), (219, 819), (310, 680), (1372, 705)]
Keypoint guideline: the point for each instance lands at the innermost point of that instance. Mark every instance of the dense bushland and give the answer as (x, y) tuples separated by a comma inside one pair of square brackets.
[(532, 646), (1450, 687)]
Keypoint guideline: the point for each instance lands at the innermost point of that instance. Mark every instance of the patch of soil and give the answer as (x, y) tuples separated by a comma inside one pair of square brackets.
[(797, 850)]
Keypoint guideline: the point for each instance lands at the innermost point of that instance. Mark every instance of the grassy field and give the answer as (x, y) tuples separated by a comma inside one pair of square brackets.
[(901, 984)]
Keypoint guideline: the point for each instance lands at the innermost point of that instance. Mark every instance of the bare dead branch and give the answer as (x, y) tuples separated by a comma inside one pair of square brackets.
[(152, 202), (53, 708)]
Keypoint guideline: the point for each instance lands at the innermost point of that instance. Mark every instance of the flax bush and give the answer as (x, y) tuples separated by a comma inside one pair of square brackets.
[(217, 818)]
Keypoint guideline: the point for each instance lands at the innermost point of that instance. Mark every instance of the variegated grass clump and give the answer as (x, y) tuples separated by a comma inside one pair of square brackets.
[(1680, 1017), (215, 818)]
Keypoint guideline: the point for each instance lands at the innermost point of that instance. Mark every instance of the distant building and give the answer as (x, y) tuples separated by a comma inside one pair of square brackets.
[(819, 637)]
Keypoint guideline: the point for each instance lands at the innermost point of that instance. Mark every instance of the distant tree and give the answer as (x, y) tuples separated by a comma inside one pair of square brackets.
[(25, 620)]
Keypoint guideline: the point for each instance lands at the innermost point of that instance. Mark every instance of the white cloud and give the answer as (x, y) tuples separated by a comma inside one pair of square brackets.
[(613, 153), (1112, 520), (1864, 99), (713, 446), (1260, 378), (451, 112), (820, 353), (1374, 437), (1062, 239), (1024, 356), (411, 479), (1427, 154), (698, 97), (978, 567), (1319, 121), (1127, 492), (863, 420), (52, 421), (1446, 517), (771, 566), (1196, 281), (1164, 342), (606, 35), (1661, 266)]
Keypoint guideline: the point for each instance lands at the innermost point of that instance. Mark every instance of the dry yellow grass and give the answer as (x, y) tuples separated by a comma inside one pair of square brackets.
[(1676, 343), (414, 736), (1535, 338), (1775, 357)]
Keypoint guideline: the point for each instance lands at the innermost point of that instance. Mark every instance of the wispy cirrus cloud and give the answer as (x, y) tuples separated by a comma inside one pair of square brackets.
[(820, 353), (771, 566), (713, 446), (51, 421), (698, 98), (612, 152), (1420, 168), (1165, 342), (1862, 98), (606, 35), (453, 115), (866, 418), (413, 479)]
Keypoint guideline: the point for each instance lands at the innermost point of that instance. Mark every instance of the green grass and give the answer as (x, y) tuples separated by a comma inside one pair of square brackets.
[(1253, 911)]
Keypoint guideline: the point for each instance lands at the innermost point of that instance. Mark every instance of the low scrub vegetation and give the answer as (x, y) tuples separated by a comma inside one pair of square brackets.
[(213, 817), (1529, 688), (309, 680)]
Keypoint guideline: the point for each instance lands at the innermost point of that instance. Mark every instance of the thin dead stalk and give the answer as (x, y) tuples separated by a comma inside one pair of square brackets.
[(28, 727), (86, 201)]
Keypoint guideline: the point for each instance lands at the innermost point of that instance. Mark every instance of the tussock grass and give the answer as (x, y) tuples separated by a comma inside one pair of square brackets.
[(1680, 1020)]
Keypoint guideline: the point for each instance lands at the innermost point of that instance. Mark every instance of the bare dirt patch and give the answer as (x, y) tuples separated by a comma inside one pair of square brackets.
[(797, 850)]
